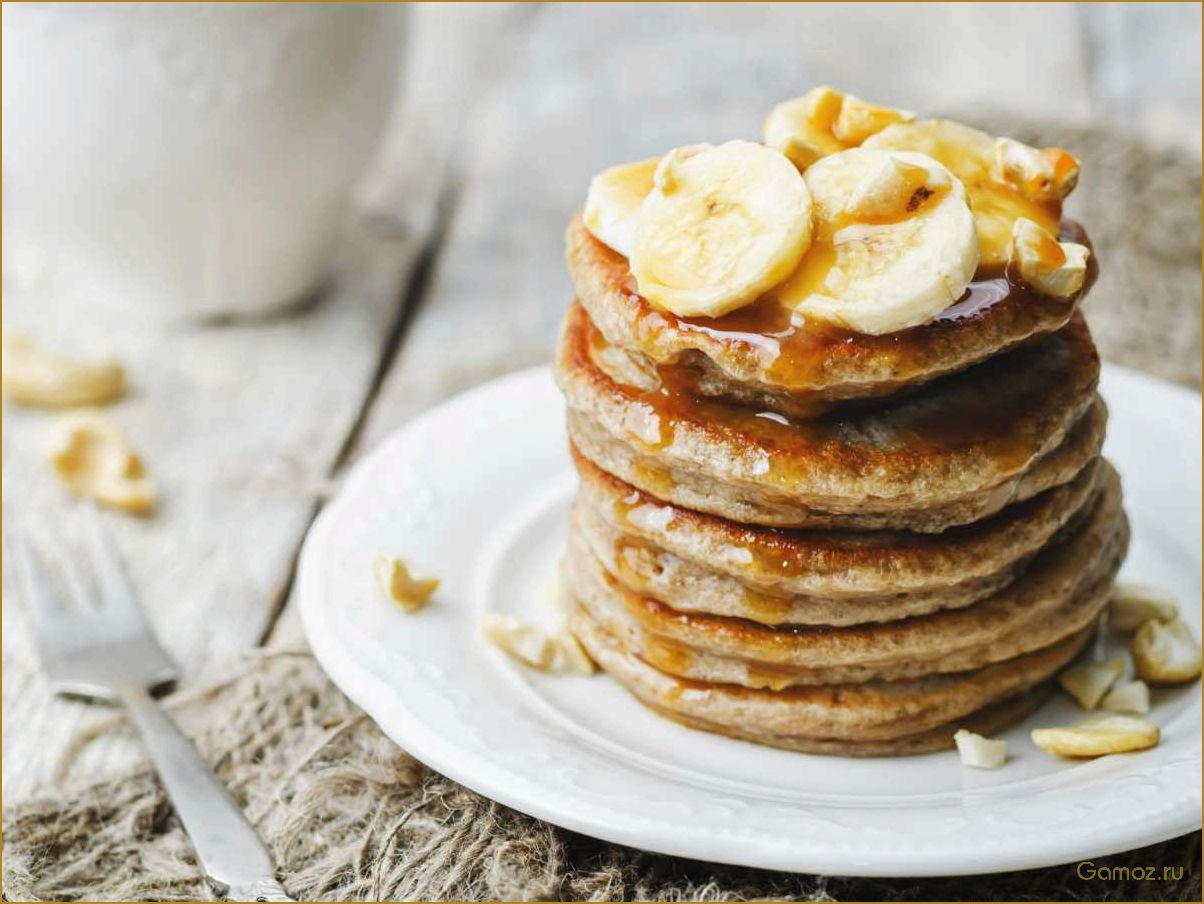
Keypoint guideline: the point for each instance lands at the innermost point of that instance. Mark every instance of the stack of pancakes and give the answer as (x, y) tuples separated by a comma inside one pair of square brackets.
[(828, 541)]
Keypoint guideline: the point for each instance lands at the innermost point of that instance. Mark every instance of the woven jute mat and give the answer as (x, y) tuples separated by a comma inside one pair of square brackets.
[(350, 816)]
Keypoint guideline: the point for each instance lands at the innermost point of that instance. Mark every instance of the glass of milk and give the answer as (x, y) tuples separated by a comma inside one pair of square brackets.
[(185, 160)]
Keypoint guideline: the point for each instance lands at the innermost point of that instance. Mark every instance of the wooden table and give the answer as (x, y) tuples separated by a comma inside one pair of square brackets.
[(508, 110)]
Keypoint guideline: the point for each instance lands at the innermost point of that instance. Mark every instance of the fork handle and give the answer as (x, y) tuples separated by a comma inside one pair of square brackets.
[(227, 847)]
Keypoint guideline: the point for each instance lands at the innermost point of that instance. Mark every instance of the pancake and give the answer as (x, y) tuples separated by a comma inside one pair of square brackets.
[(648, 570), (1064, 590), (886, 717), (765, 355), (698, 562), (991, 720), (957, 451)]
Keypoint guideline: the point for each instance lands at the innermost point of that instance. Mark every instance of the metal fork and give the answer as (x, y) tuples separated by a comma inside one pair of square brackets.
[(109, 652)]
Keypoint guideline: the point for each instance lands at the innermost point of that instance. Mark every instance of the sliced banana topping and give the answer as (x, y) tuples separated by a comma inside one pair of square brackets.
[(894, 244), (1099, 736), (614, 200), (1048, 174), (1166, 653), (708, 229), (1049, 266), (1132, 697), (997, 200), (1089, 682), (1135, 604), (823, 121), (721, 225)]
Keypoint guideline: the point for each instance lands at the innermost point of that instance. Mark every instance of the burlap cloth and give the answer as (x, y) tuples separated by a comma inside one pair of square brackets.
[(349, 816)]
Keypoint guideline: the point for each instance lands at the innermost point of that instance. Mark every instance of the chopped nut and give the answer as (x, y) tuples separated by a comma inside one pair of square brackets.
[(821, 105), (980, 752), (409, 592), (1089, 682), (823, 121), (571, 656), (559, 652), (1099, 736), (859, 120), (891, 187), (1043, 175), (33, 375), (519, 639), (1166, 653), (1051, 267), (94, 459), (801, 128), (1135, 604), (1133, 697)]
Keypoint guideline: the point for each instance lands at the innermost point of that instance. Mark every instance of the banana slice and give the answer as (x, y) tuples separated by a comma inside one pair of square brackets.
[(823, 121), (721, 225), (1166, 653), (1002, 186), (1098, 736), (1047, 265), (613, 202), (895, 242)]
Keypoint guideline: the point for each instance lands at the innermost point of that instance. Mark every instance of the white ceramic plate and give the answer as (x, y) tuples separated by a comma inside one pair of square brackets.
[(476, 492)]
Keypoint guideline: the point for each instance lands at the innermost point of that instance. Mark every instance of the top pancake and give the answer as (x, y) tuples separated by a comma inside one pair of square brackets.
[(766, 355)]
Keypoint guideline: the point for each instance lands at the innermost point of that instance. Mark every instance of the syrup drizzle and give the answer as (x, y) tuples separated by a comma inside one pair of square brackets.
[(794, 352)]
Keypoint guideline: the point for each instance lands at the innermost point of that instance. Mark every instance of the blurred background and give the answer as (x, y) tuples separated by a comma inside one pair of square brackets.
[(299, 225)]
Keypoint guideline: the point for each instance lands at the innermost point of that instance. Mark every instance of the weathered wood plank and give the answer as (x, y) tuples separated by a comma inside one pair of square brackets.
[(238, 425)]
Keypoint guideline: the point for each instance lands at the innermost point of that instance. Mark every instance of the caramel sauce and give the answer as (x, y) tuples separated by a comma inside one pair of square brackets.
[(766, 609), (666, 655), (763, 607), (796, 352), (677, 659)]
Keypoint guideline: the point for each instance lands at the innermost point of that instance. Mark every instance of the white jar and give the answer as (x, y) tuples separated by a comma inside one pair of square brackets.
[(188, 159)]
